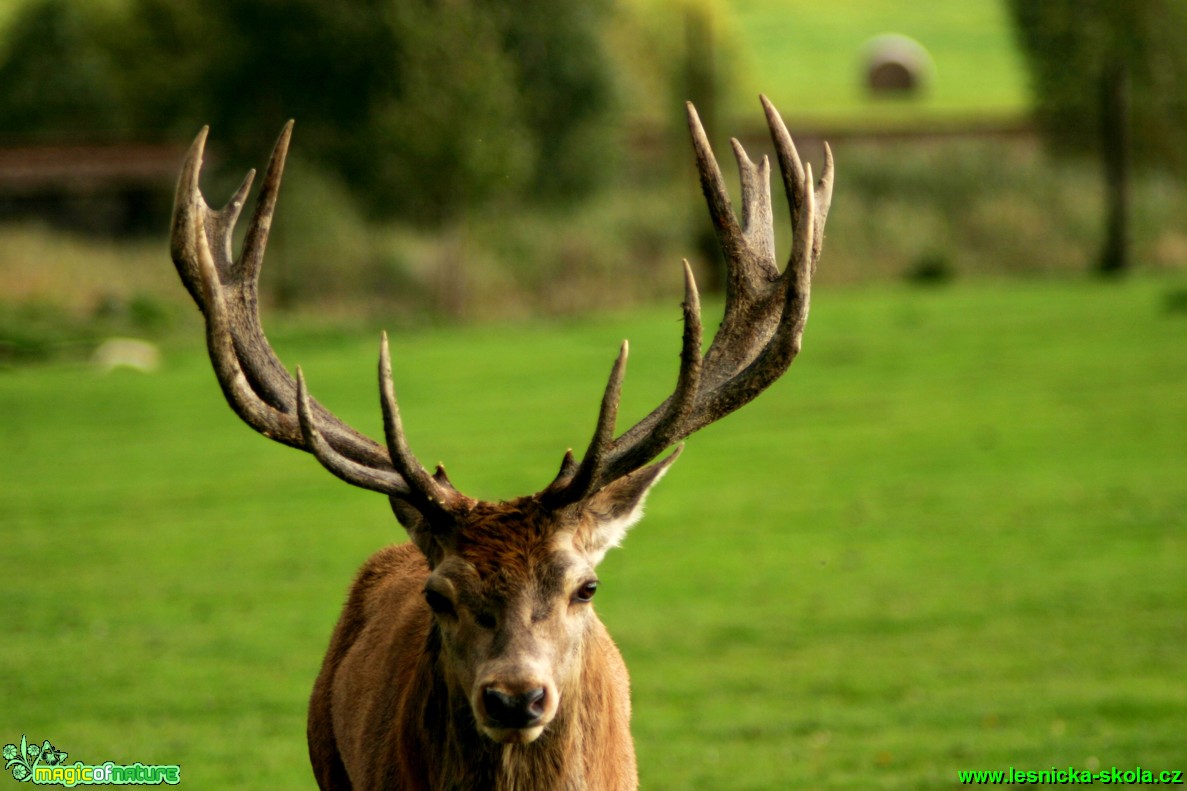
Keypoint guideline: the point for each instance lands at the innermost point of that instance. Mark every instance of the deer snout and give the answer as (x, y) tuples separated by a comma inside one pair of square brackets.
[(504, 710), (515, 712)]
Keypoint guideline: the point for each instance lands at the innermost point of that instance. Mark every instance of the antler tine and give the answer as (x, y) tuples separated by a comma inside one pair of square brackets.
[(433, 491), (189, 208), (749, 253), (801, 265), (824, 202), (765, 311), (721, 210), (237, 279), (377, 480), (605, 461), (783, 346), (790, 166), (749, 247), (758, 225), (256, 384), (256, 238), (649, 438), (268, 376), (796, 180), (254, 411), (585, 476)]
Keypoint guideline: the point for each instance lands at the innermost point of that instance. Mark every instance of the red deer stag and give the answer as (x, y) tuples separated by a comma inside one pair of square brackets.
[(471, 658)]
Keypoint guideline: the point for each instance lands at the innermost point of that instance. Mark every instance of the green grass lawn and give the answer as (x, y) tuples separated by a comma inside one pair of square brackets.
[(809, 57), (812, 54), (952, 538)]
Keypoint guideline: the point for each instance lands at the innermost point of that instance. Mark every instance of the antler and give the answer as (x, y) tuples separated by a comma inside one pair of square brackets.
[(765, 313), (254, 381), (760, 334)]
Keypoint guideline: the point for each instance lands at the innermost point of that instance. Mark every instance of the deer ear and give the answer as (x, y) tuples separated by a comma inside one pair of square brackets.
[(613, 509), (423, 536)]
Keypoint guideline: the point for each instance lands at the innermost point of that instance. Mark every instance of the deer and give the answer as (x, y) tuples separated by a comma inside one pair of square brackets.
[(470, 657)]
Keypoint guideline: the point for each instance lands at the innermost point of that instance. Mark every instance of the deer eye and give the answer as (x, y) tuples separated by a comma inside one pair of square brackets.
[(438, 602), (586, 592)]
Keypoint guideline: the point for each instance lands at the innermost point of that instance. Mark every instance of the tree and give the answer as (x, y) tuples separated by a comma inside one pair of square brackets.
[(426, 108), (58, 70), (1109, 79), (412, 103), (561, 64)]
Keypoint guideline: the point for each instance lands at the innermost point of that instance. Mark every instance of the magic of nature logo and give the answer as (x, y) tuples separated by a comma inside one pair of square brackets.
[(45, 764)]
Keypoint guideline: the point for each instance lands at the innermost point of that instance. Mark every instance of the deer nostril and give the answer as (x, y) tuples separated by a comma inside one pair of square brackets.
[(514, 711), (534, 702)]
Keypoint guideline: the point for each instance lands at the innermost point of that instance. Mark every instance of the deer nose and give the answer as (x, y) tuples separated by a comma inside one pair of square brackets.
[(514, 711)]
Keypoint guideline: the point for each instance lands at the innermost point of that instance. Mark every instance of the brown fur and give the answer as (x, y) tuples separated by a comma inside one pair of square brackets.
[(388, 710)]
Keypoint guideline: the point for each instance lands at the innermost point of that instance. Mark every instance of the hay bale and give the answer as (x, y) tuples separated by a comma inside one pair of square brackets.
[(896, 65)]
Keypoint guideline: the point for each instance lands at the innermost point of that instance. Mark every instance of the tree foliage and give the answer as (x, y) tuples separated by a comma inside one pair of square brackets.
[(425, 107), (1072, 46), (1110, 78), (56, 71)]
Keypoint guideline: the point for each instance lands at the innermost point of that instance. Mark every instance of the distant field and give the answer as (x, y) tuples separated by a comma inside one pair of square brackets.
[(807, 57), (813, 52), (955, 537)]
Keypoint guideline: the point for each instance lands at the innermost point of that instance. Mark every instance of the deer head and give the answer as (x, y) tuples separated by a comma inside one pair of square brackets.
[(509, 584)]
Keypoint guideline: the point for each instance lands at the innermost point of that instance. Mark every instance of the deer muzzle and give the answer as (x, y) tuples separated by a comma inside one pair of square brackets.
[(515, 711)]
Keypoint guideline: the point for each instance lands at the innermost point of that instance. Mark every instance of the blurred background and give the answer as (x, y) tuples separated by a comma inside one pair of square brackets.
[(473, 160), (956, 542)]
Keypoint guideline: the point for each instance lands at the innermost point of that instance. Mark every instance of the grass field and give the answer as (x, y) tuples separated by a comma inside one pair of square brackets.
[(955, 537), (814, 53), (809, 56)]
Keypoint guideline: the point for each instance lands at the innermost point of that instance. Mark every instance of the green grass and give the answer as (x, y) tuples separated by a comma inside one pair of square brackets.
[(812, 54), (809, 57), (953, 538)]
